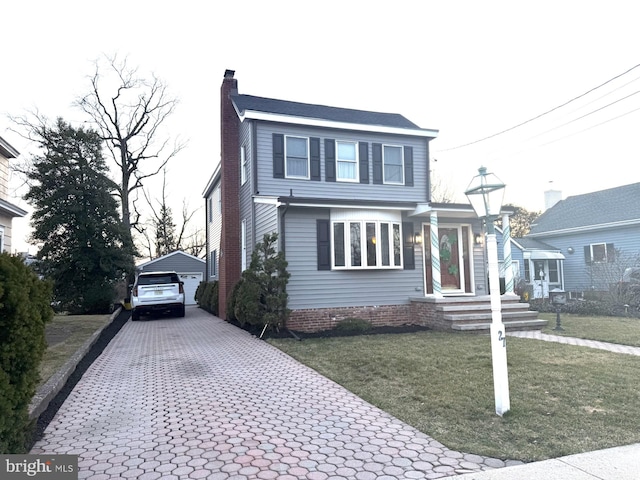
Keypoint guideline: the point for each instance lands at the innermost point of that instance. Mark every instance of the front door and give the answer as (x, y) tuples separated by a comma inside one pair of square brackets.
[(455, 275)]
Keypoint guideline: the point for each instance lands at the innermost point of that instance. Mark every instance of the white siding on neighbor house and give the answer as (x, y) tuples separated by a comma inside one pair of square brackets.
[(312, 288), (214, 228), (267, 185)]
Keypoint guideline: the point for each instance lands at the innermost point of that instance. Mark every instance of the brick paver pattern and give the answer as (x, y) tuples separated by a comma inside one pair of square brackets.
[(199, 398)]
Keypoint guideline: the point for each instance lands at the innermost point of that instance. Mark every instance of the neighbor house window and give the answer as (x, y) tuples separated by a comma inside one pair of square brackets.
[(347, 161), (601, 252), (393, 165), (554, 276), (366, 244), (243, 165), (296, 157)]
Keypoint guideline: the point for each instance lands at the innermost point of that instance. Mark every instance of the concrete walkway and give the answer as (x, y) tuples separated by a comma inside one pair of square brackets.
[(612, 347), (200, 398)]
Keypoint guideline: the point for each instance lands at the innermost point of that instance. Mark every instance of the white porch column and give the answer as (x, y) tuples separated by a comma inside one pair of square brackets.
[(506, 253), (435, 256)]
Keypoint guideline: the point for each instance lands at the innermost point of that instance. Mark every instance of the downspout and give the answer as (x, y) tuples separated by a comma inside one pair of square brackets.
[(207, 240), (283, 208)]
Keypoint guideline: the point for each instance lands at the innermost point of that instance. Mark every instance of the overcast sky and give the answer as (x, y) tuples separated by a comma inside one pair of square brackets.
[(470, 69)]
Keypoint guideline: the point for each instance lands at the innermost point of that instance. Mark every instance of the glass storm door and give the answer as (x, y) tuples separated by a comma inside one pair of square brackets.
[(454, 259)]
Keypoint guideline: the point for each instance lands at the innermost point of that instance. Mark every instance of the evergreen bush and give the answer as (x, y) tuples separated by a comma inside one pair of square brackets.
[(261, 298), (24, 310)]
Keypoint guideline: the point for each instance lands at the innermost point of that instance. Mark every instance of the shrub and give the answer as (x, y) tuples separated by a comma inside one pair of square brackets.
[(261, 297), (353, 326), (24, 310), (207, 296)]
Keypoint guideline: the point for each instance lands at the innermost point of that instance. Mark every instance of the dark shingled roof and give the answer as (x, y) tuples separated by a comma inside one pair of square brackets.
[(533, 244), (613, 205), (321, 112)]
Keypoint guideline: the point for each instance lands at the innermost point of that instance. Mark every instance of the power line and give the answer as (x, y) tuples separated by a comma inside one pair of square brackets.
[(542, 114)]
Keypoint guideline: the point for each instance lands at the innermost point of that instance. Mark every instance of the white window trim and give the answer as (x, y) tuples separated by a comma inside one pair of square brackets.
[(363, 243), (384, 180), (606, 252), (243, 165), (243, 246), (357, 162), (1, 239), (286, 173)]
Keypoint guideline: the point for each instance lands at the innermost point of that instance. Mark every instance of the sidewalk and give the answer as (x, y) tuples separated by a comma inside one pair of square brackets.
[(611, 347), (621, 463)]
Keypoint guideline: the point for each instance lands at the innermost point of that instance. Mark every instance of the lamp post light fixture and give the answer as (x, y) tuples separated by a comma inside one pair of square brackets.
[(485, 193)]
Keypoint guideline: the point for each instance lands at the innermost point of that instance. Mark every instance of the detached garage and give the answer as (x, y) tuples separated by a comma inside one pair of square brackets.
[(190, 269)]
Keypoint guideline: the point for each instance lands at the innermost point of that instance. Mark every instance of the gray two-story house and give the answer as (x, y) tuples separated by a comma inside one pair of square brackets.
[(348, 193)]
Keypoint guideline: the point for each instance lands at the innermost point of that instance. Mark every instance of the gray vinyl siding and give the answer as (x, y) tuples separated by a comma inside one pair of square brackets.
[(312, 288), (267, 185), (577, 273), (178, 262), (246, 193), (266, 220)]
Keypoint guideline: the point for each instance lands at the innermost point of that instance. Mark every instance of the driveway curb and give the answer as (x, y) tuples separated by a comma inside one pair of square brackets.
[(52, 387)]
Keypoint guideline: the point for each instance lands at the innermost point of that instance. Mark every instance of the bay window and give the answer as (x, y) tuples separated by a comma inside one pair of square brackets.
[(362, 244)]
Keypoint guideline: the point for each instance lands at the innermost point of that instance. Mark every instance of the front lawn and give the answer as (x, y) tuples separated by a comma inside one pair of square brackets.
[(622, 330), (564, 399), (65, 334)]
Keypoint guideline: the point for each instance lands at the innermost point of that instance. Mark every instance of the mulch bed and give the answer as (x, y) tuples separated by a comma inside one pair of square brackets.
[(285, 333)]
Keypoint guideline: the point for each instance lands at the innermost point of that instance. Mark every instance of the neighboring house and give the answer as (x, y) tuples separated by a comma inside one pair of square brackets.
[(593, 236), (348, 192), (8, 211), (190, 269), (538, 267)]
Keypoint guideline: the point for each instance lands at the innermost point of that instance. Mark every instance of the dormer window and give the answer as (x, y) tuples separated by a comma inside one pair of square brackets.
[(296, 157)]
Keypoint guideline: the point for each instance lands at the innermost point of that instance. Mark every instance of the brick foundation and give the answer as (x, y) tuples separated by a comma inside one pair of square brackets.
[(318, 319)]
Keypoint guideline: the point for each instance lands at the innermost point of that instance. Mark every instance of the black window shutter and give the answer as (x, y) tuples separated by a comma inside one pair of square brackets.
[(324, 244), (330, 160), (363, 158), (278, 155), (408, 166), (587, 254), (611, 253), (314, 147), (376, 150), (407, 246)]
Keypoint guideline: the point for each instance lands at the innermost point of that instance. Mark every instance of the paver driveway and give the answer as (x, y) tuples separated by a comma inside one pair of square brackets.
[(197, 397)]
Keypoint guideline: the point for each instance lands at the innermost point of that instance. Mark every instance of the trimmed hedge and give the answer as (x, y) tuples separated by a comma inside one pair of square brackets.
[(207, 296), (25, 308)]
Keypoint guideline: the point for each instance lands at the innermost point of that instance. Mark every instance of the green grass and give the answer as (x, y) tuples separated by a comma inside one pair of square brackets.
[(564, 399), (622, 330), (65, 335)]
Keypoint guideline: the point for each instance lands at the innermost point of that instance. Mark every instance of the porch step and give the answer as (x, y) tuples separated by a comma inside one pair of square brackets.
[(486, 315), (481, 307), (535, 324)]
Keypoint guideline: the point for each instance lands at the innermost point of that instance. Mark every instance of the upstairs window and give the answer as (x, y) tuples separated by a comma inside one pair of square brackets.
[(297, 157), (393, 165), (347, 162)]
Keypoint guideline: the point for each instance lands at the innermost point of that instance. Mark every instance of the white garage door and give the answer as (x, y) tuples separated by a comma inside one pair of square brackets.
[(191, 282)]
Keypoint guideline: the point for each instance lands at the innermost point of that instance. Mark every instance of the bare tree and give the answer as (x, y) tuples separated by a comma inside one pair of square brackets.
[(128, 111), (160, 232)]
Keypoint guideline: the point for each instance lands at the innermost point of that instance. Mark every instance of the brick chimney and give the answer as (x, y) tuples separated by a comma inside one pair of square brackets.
[(230, 250)]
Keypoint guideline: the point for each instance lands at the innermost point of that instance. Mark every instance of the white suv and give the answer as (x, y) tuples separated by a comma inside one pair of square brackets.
[(157, 292)]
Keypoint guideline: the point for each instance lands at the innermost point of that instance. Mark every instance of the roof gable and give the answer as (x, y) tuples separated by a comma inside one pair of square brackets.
[(164, 257), (619, 205)]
